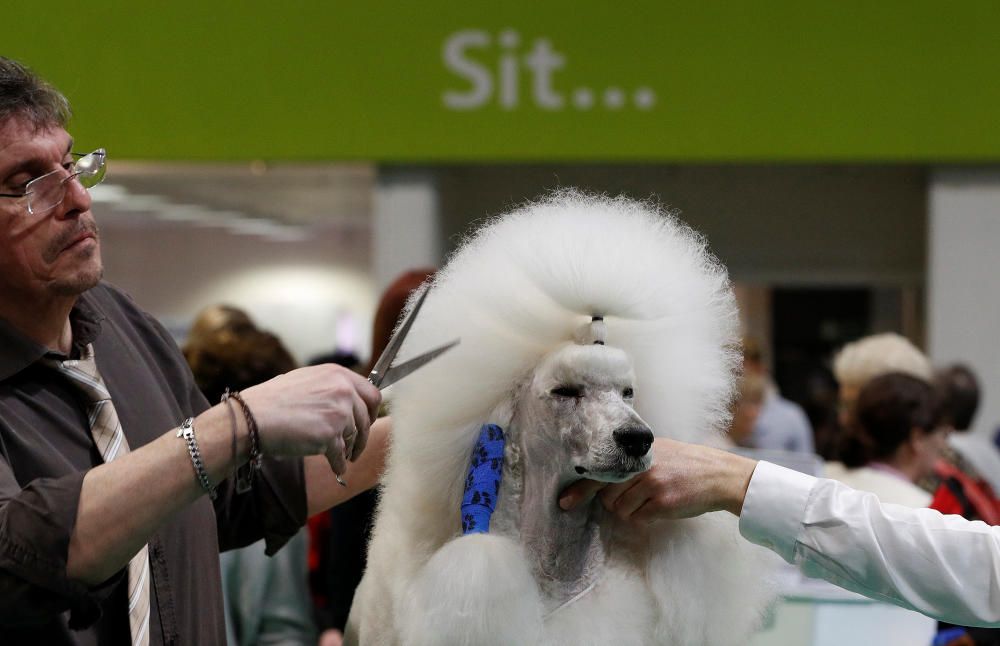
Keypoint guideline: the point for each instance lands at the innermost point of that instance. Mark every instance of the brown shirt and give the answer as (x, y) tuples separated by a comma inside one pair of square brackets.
[(46, 449)]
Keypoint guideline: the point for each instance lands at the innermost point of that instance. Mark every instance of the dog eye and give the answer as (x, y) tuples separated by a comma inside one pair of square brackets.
[(568, 391), (628, 393)]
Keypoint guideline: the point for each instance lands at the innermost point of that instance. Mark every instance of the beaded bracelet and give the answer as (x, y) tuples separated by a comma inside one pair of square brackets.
[(187, 432), (232, 426), (245, 474)]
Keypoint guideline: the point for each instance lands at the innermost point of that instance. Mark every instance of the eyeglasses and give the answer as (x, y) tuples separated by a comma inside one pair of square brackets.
[(47, 191)]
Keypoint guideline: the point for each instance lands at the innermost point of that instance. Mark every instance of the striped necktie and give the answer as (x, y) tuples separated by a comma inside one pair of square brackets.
[(110, 439)]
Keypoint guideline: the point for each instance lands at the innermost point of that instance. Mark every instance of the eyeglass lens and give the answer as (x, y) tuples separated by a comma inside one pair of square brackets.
[(47, 191)]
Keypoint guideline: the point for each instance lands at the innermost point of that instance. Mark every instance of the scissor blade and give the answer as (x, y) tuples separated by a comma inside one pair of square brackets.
[(395, 343), (398, 372)]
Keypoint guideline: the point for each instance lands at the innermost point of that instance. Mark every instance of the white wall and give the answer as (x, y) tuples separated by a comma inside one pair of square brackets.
[(317, 289), (315, 293), (963, 285), (776, 224), (406, 224)]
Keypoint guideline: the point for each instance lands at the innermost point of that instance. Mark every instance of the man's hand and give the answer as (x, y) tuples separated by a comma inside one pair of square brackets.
[(324, 409), (685, 480)]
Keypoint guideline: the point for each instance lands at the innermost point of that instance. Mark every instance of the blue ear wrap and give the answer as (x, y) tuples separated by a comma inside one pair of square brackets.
[(482, 485)]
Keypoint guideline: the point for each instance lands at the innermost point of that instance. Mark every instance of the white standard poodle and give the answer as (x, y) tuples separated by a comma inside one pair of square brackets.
[(588, 325)]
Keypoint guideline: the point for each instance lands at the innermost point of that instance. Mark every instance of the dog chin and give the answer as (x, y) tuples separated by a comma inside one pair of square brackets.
[(616, 473)]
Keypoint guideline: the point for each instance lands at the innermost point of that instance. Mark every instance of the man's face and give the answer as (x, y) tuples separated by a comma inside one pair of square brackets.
[(51, 254)]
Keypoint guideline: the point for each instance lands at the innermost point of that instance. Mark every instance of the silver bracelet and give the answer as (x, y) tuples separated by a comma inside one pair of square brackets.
[(187, 432)]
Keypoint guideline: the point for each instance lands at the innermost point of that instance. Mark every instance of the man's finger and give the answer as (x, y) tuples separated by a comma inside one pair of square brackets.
[(625, 498), (335, 456), (371, 395), (647, 512), (362, 423), (579, 492), (350, 434)]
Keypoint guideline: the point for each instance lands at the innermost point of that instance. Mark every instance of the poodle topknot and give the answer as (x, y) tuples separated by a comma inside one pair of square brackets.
[(526, 281)]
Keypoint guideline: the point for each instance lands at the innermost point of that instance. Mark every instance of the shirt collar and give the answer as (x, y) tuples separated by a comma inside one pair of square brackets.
[(17, 351)]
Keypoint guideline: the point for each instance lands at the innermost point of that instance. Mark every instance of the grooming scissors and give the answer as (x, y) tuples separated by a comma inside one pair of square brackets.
[(384, 374)]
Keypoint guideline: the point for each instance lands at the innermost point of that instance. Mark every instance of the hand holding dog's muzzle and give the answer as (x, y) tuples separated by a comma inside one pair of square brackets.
[(685, 480), (581, 491)]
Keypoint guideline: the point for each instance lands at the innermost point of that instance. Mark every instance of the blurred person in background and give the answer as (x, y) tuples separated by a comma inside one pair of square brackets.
[(821, 408), (869, 357), (958, 487), (893, 440), (781, 425), (217, 319), (750, 395), (339, 538), (960, 387), (266, 598)]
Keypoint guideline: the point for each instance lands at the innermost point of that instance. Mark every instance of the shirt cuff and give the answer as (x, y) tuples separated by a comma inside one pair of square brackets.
[(281, 491), (274, 509), (774, 507), (35, 530)]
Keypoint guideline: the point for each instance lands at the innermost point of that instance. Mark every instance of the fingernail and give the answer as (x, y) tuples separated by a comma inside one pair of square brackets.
[(567, 502)]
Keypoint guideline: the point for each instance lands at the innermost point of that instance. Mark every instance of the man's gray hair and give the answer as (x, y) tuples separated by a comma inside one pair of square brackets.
[(26, 95)]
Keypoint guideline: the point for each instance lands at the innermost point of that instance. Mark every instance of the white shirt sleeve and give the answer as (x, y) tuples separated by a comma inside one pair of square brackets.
[(945, 567)]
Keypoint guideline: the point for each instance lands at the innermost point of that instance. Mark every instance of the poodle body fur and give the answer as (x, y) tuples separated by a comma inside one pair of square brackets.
[(521, 294)]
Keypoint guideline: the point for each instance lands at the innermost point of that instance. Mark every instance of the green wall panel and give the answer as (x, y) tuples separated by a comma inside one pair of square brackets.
[(705, 81)]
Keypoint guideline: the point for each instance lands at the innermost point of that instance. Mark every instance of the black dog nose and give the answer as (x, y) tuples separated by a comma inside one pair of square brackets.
[(634, 440)]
